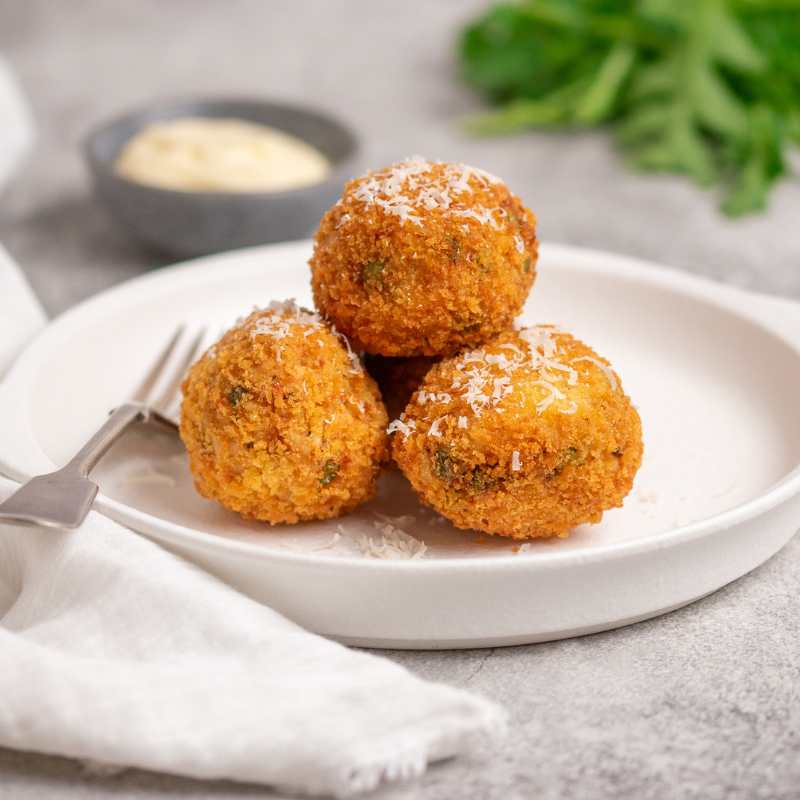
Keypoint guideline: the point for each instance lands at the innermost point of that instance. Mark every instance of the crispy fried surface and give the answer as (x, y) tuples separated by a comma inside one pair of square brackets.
[(527, 437), (280, 423), (424, 259), (398, 378)]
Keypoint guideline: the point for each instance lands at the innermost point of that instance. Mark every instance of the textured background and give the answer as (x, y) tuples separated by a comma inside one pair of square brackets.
[(704, 703)]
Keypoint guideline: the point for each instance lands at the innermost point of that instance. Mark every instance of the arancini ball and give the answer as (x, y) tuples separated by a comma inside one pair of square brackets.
[(281, 422), (526, 437), (424, 259)]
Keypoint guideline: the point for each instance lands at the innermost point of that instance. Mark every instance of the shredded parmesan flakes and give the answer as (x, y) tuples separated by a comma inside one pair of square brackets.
[(355, 362), (332, 542), (399, 521), (431, 397), (359, 404), (485, 379), (434, 428), (401, 425), (278, 319), (392, 543), (609, 373), (516, 463), (412, 186)]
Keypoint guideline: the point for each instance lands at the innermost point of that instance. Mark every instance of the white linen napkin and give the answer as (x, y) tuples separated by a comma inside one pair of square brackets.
[(115, 651)]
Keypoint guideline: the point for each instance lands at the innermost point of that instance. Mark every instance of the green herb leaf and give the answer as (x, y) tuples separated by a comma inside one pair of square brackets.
[(482, 480), (372, 273), (329, 472), (759, 164), (601, 97), (236, 394), (444, 464), (706, 88)]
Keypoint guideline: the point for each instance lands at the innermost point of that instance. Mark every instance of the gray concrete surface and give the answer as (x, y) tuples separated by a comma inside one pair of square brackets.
[(704, 703)]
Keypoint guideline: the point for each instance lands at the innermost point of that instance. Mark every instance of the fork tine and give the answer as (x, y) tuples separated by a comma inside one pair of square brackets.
[(168, 396), (151, 378)]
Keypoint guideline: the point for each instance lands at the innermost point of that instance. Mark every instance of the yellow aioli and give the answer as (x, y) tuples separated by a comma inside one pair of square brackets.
[(220, 155)]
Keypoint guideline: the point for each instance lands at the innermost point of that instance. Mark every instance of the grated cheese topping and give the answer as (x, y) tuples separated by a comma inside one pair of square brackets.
[(609, 373), (391, 543), (279, 318), (406, 428), (331, 543), (486, 378), (400, 521), (359, 404), (409, 188), (434, 428)]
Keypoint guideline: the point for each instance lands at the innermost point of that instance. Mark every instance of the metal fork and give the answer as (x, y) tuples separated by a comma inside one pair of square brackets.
[(62, 499)]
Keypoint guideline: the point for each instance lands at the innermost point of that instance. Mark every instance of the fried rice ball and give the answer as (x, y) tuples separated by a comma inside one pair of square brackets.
[(281, 422), (527, 437), (424, 259), (398, 378)]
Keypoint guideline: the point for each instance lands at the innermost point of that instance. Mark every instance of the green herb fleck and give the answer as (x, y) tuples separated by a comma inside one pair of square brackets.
[(526, 264), (481, 479), (236, 394), (455, 249), (329, 472), (484, 265), (570, 455), (444, 464), (467, 325), (372, 273)]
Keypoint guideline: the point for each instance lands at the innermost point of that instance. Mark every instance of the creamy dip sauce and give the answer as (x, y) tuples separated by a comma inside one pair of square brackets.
[(220, 155)]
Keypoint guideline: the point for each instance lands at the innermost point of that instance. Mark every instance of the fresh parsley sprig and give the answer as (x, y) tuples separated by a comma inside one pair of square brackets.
[(706, 88)]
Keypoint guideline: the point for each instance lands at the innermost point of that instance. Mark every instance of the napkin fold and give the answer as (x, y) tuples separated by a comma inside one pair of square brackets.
[(115, 651)]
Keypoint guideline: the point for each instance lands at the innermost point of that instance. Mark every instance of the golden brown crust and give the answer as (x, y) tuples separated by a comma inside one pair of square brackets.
[(281, 423), (427, 276), (525, 451)]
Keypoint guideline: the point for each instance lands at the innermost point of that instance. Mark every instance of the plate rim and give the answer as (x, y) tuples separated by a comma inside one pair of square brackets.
[(722, 296)]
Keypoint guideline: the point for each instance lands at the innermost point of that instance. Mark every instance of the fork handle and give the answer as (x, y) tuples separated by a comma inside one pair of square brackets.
[(63, 498), (118, 421)]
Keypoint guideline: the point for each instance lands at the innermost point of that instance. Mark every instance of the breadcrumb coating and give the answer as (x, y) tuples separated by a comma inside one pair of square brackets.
[(527, 437), (424, 259), (281, 422)]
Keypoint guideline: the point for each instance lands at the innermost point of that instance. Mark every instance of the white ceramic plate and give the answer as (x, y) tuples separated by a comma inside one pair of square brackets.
[(715, 373)]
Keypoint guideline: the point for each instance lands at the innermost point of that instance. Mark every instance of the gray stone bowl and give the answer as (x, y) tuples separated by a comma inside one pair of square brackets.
[(187, 223)]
